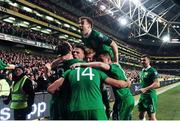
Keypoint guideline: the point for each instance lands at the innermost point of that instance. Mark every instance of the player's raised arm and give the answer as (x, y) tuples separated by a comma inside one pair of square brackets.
[(115, 50), (55, 85), (117, 83)]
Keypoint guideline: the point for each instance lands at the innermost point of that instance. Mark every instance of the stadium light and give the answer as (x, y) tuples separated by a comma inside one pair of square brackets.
[(27, 9), (57, 21), (39, 27), (122, 21), (8, 20), (102, 7), (136, 2), (90, 1), (48, 30), (67, 25), (110, 12), (12, 18), (24, 22), (49, 18), (13, 4), (73, 28), (166, 38), (45, 31), (38, 14)]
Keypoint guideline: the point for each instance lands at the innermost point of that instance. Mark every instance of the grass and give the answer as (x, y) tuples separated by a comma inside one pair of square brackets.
[(168, 105)]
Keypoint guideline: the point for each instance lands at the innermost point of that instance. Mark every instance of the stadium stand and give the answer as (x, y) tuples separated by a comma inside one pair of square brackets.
[(64, 26)]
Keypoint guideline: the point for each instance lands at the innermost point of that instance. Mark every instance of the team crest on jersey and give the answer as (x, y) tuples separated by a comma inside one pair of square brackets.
[(145, 74), (100, 35), (156, 73)]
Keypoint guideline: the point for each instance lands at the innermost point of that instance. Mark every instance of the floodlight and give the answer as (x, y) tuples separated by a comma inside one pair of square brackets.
[(166, 38), (123, 21), (102, 7)]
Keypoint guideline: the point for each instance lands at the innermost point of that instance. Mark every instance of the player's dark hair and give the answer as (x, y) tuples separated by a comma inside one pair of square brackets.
[(106, 54), (89, 20), (63, 49), (81, 47), (145, 56)]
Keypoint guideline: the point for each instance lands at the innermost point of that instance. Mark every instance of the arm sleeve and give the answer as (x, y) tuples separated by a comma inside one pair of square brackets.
[(155, 75), (2, 65), (105, 39), (103, 76), (64, 75), (28, 89), (118, 72)]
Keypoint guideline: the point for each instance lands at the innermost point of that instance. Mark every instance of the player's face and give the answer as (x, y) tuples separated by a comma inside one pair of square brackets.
[(84, 26), (89, 57), (78, 53), (104, 59), (145, 61)]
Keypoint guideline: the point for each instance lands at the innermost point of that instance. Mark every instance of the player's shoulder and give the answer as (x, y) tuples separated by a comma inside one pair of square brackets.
[(96, 33), (115, 66), (152, 69), (97, 70)]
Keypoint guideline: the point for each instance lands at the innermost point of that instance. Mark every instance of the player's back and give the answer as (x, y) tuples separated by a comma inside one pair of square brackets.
[(85, 88)]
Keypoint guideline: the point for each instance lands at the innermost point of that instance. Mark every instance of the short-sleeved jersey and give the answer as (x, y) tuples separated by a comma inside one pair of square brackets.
[(117, 72), (147, 77), (62, 97), (64, 90), (68, 63), (2, 65), (85, 88), (97, 41)]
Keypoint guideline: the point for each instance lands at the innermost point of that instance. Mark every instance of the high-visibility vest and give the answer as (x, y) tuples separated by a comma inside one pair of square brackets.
[(19, 98), (4, 88)]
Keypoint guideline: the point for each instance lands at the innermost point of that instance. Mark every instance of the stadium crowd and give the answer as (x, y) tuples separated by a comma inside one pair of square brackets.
[(26, 33), (33, 66)]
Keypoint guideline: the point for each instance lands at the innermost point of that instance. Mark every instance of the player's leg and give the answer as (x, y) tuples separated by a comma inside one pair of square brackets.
[(106, 102), (142, 109), (126, 108), (152, 116), (116, 110), (79, 115), (98, 114), (142, 115), (152, 108)]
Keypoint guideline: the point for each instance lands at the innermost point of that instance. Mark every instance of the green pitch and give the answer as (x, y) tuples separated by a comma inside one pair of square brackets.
[(168, 105)]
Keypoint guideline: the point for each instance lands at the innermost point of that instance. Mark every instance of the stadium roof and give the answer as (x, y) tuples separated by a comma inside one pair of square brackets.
[(150, 22)]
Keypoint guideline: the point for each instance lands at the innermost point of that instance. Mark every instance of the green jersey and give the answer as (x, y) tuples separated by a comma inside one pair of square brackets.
[(98, 42), (64, 90), (59, 104), (124, 101), (117, 72), (2, 65), (148, 100), (85, 88), (147, 77)]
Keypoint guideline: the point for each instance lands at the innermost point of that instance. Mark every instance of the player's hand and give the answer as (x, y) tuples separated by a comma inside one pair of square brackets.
[(116, 63), (75, 65), (143, 90), (48, 66), (129, 84)]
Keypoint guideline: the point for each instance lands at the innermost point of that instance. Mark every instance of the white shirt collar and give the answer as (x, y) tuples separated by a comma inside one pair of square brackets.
[(146, 68)]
